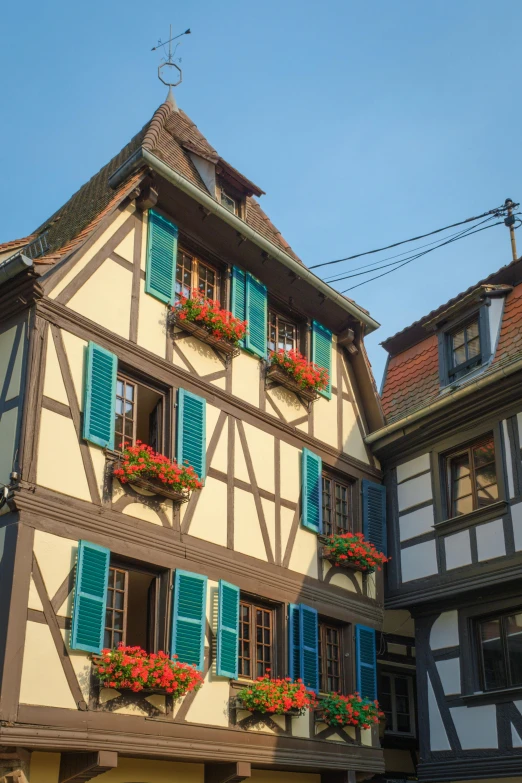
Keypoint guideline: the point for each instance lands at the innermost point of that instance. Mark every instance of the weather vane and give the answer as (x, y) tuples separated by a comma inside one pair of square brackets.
[(169, 71)]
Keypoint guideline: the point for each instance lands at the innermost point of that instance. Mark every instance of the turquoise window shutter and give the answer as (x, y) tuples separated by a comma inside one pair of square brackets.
[(90, 597), (99, 397), (162, 251), (228, 630), (311, 491), (374, 514), (366, 663), (189, 618), (256, 315), (238, 296), (294, 643), (191, 431), (309, 653), (322, 352)]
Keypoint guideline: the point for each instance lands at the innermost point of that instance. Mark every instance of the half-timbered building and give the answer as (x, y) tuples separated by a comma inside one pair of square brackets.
[(232, 581), (451, 453)]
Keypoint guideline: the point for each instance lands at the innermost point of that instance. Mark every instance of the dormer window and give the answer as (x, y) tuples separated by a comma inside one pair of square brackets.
[(465, 349), (228, 202)]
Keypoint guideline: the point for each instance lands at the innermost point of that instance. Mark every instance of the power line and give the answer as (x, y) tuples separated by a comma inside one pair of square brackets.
[(413, 258), (495, 212), (381, 265)]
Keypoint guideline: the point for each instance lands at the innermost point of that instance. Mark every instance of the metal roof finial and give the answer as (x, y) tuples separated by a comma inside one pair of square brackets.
[(169, 73)]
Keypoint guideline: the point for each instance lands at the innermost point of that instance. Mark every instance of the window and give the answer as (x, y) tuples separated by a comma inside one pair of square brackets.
[(330, 658), (500, 646), (282, 333), (256, 639), (465, 349), (472, 477), (192, 273), (228, 202), (131, 608), (396, 701), (138, 412), (337, 507)]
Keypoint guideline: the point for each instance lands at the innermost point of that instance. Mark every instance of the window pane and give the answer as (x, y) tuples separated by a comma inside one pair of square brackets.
[(459, 355), (484, 453), (463, 506), (473, 348), (492, 656), (472, 330), (403, 722), (458, 339), (514, 645)]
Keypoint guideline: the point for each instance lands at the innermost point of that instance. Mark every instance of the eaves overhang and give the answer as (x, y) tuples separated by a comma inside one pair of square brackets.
[(143, 157)]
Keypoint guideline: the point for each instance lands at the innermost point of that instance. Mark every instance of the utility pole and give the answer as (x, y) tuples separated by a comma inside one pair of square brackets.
[(509, 221)]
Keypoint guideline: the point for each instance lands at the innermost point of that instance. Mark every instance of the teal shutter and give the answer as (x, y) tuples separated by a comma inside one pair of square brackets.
[(366, 663), (191, 431), (228, 630), (311, 491), (256, 315), (238, 296), (374, 513), (99, 396), (90, 597), (294, 643), (162, 250), (309, 653), (189, 618), (322, 352)]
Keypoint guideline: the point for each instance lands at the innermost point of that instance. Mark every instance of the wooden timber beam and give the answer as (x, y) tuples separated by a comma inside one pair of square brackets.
[(227, 773), (81, 767)]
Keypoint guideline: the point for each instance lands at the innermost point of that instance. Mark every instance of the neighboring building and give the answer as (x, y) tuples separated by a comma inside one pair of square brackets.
[(86, 358), (451, 453)]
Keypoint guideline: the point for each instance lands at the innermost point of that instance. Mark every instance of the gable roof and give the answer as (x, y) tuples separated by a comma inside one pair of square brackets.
[(411, 379), (171, 136)]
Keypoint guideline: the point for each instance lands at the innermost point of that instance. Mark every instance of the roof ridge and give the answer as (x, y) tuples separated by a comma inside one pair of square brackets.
[(156, 125)]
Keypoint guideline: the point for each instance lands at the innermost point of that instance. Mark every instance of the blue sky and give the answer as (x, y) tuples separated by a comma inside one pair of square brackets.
[(365, 123)]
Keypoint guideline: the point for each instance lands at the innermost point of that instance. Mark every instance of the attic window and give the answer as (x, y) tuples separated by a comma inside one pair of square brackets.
[(228, 202), (465, 348)]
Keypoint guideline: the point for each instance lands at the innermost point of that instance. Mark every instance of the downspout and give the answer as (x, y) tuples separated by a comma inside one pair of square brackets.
[(13, 266), (479, 383), (143, 156)]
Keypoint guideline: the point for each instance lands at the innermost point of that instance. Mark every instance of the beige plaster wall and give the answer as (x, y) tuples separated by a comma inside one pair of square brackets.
[(105, 298), (245, 378), (59, 461)]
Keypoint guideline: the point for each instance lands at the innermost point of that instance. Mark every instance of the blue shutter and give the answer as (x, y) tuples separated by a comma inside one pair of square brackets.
[(374, 513), (311, 491), (366, 662), (189, 618), (309, 653), (162, 250), (191, 431), (90, 597), (228, 630), (256, 315), (322, 352), (238, 296), (99, 396), (294, 643)]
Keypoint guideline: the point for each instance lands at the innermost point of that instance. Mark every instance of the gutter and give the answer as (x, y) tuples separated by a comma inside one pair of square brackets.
[(143, 156), (13, 266), (479, 383)]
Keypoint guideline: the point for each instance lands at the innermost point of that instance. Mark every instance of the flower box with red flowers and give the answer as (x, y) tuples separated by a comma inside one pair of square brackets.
[(337, 710), (275, 697), (142, 467), (133, 669), (351, 550), (292, 370), (209, 322)]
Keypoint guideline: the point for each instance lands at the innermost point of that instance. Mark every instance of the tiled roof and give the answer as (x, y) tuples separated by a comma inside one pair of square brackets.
[(165, 136), (412, 374), (412, 378), (13, 244)]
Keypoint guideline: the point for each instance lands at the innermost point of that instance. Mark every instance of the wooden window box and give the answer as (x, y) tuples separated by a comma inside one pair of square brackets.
[(346, 565), (203, 334), (237, 704), (154, 486), (276, 376)]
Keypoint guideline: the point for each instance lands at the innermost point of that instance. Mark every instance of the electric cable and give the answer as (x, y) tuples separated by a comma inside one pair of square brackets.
[(495, 212), (414, 258)]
